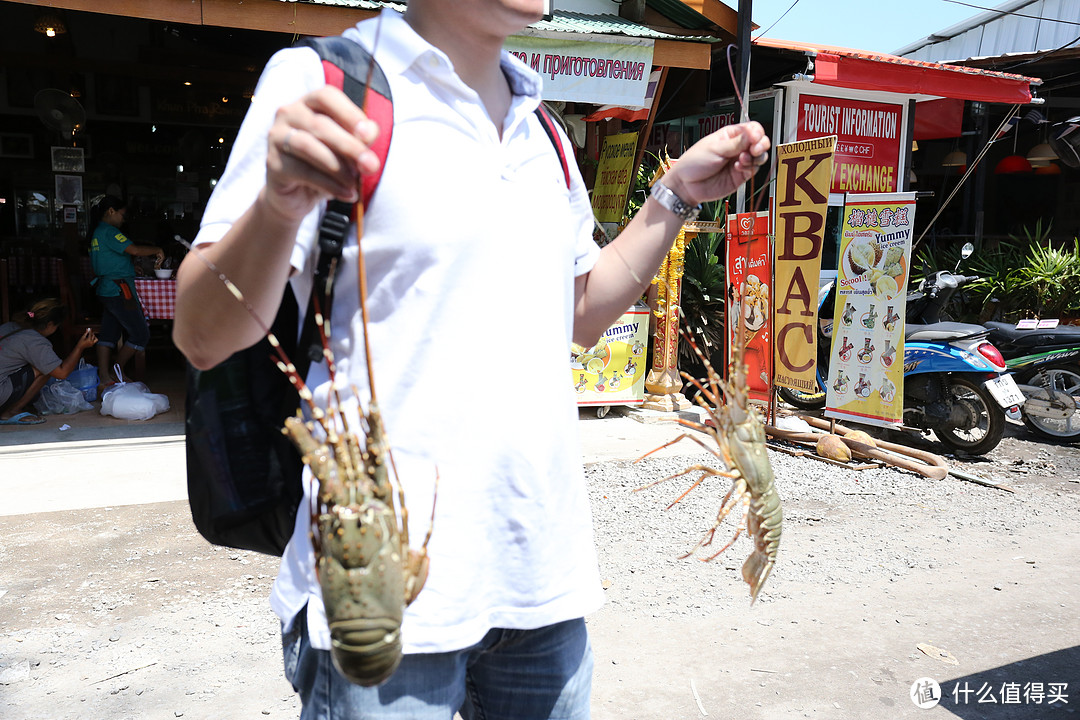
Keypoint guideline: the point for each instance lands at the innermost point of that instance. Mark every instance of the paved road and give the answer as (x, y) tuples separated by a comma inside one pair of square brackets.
[(97, 467)]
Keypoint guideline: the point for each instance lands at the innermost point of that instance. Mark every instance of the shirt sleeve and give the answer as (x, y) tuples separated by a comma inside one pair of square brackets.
[(586, 250), (116, 242), (41, 354), (288, 76)]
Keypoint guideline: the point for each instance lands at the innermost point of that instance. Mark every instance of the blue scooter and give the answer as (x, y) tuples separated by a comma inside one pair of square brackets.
[(955, 381)]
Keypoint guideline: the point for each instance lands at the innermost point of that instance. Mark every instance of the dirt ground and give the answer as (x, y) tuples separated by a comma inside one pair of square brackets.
[(883, 579)]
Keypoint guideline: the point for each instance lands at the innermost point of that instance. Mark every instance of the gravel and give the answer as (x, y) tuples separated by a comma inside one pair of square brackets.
[(840, 526), (125, 612)]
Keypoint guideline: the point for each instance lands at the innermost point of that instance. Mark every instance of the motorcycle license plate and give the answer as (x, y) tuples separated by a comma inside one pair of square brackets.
[(1005, 391)]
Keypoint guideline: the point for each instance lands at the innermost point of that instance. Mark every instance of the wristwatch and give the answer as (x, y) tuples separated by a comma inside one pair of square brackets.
[(668, 199)]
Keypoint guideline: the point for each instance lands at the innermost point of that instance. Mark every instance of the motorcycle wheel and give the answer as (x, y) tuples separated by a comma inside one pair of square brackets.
[(812, 400), (1063, 380), (987, 419), (802, 400)]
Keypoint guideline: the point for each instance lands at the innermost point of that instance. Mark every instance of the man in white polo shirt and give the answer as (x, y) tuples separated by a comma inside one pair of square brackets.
[(475, 250)]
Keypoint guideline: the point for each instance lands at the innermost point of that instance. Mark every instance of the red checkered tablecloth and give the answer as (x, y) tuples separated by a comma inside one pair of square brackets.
[(158, 297)]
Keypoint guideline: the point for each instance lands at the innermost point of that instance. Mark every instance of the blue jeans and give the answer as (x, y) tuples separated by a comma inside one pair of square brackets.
[(508, 675), (119, 316)]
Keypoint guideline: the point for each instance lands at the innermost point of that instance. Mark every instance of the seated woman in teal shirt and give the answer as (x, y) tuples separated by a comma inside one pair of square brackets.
[(111, 254)]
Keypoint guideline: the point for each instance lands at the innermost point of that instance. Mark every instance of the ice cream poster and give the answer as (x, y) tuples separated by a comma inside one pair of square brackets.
[(749, 306), (612, 372), (866, 366)]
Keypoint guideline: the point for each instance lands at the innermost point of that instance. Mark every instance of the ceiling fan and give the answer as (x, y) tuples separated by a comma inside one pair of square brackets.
[(60, 112)]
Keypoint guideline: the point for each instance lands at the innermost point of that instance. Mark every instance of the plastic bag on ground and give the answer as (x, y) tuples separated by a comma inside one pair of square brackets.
[(133, 401), (60, 397), (86, 379)]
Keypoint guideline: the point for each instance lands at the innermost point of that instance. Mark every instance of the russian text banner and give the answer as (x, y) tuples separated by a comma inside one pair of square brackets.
[(614, 71), (613, 177), (803, 173)]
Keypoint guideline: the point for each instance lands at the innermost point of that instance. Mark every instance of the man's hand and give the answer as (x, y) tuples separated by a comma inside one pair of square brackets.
[(318, 146), (715, 166)]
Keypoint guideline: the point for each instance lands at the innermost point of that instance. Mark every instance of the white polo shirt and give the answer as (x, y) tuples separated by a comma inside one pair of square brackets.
[(472, 244)]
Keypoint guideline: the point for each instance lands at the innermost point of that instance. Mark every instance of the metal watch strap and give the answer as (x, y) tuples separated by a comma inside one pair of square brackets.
[(669, 200)]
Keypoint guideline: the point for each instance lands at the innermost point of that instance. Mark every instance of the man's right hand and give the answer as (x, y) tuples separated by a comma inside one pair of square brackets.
[(317, 148)]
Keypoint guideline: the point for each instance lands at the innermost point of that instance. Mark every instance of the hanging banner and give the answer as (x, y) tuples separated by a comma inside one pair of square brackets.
[(868, 140), (802, 199), (612, 372), (866, 368), (749, 309), (613, 177), (601, 71)]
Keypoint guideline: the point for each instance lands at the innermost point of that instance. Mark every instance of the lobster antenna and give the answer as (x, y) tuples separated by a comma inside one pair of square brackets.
[(282, 360), (361, 270)]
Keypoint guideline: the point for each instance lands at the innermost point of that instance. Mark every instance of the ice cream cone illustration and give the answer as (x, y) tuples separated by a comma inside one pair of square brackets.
[(845, 349), (888, 355), (870, 318), (867, 352), (848, 315), (580, 386), (890, 319), (887, 391), (841, 384)]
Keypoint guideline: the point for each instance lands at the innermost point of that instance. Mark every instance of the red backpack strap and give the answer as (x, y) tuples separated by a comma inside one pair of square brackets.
[(347, 66), (553, 134)]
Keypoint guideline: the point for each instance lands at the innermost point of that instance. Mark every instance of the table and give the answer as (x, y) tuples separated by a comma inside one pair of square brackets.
[(157, 297)]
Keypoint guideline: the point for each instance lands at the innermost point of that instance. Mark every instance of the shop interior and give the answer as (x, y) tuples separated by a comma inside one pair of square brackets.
[(93, 104)]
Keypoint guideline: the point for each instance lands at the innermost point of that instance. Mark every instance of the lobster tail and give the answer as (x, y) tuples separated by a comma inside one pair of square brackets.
[(366, 651)]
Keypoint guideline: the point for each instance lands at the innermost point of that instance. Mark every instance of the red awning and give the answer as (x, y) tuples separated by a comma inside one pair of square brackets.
[(864, 70), (617, 112), (942, 118)]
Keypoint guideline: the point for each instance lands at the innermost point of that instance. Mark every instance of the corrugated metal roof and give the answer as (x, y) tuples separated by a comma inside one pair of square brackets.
[(815, 48), (1017, 26), (681, 13), (561, 22), (915, 76)]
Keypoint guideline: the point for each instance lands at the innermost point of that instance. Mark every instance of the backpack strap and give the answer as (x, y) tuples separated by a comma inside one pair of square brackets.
[(553, 135), (348, 67)]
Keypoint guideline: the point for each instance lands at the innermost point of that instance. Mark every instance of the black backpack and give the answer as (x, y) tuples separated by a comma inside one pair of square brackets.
[(243, 474)]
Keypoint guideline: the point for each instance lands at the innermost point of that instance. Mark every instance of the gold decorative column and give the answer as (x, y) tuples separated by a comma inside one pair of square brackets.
[(663, 386)]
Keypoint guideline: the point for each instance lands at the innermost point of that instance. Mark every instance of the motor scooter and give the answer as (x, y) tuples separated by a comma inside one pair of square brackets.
[(956, 382), (1045, 362)]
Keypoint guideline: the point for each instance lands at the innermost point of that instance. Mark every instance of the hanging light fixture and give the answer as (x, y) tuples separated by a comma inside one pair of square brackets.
[(1042, 151), (1012, 164), (50, 25), (957, 158)]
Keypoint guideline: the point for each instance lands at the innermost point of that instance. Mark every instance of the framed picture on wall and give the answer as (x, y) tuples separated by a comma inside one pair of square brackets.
[(68, 159), (69, 190), (16, 145)]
